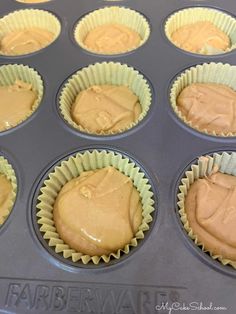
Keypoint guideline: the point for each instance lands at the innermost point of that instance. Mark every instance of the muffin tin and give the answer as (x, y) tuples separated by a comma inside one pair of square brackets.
[(166, 266)]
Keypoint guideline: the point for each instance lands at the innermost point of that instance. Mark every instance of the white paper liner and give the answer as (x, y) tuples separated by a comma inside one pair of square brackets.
[(218, 73), (7, 170), (223, 21), (114, 15), (71, 168), (11, 72), (225, 163), (23, 19), (102, 74)]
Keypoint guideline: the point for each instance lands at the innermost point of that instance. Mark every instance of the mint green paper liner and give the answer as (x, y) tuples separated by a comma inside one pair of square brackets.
[(71, 168), (223, 21), (12, 72), (225, 163), (101, 74), (113, 15), (23, 19), (7, 170), (218, 73)]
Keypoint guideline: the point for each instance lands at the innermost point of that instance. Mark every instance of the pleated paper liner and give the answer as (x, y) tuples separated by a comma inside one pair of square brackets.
[(225, 163), (114, 15), (206, 73), (223, 21), (7, 170), (12, 72), (100, 74), (23, 19), (73, 167)]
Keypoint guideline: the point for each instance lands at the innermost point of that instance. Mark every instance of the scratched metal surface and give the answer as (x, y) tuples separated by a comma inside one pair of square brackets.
[(166, 267)]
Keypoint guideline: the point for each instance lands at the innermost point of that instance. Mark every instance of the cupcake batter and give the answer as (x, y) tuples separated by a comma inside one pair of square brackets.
[(98, 212), (105, 108), (209, 106), (25, 41), (5, 195), (211, 212), (16, 102), (201, 37), (112, 38)]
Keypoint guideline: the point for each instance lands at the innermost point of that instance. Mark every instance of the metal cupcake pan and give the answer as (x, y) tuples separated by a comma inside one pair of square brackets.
[(166, 266)]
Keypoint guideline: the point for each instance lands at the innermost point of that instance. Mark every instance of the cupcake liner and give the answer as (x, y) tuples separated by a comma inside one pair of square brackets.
[(12, 72), (115, 15), (71, 168), (206, 73), (101, 74), (223, 162), (26, 18), (8, 171), (223, 21)]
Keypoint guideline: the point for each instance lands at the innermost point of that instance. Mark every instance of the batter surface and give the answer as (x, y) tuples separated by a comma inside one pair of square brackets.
[(210, 206), (98, 212), (105, 108), (200, 37), (25, 41), (5, 195), (209, 106), (16, 102), (112, 38)]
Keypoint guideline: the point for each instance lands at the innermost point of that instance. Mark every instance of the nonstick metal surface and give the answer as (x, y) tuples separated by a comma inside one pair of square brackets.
[(166, 267)]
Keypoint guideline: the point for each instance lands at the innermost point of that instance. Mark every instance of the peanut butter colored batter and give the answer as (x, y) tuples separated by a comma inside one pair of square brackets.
[(25, 41), (16, 103), (105, 108), (201, 37), (5, 195), (112, 38), (99, 212), (211, 212), (209, 106)]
